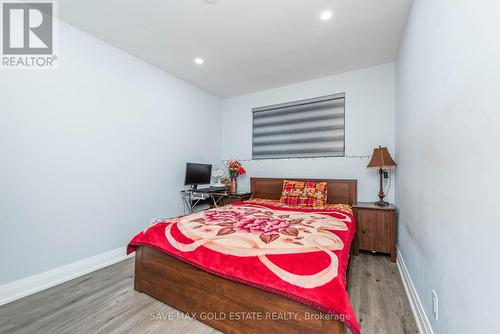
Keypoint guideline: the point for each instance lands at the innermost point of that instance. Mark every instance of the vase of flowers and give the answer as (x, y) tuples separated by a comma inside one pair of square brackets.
[(235, 169)]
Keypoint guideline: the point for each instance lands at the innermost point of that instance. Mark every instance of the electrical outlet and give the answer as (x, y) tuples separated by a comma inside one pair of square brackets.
[(435, 305)]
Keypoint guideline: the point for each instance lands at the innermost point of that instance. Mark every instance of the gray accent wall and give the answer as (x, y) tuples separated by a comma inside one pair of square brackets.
[(369, 122), (448, 175), (91, 152)]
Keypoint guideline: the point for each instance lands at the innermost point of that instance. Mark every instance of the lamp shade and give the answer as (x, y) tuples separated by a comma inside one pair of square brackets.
[(381, 158)]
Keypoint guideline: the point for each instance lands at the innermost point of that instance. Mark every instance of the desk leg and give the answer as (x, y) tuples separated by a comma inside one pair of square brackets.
[(189, 204), (214, 200)]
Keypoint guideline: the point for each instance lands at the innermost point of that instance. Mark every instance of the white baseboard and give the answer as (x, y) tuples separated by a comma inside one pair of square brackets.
[(423, 324), (47, 279)]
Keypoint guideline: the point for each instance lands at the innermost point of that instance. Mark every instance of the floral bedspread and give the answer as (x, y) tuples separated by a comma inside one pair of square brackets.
[(300, 253)]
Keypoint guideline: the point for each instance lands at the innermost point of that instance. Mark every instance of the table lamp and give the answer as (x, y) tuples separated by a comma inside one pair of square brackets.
[(381, 159)]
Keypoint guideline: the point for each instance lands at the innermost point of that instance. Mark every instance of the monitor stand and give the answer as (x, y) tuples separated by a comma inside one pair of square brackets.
[(194, 187)]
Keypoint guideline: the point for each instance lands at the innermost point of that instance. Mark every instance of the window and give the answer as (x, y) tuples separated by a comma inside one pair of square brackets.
[(300, 129)]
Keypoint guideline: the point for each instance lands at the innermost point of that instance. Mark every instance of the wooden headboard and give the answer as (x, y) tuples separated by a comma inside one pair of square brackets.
[(339, 191)]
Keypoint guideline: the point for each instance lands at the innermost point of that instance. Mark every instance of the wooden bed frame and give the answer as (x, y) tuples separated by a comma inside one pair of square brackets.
[(229, 306)]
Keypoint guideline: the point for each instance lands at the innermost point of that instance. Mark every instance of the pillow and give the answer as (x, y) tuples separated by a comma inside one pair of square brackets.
[(293, 193), (304, 193), (316, 193)]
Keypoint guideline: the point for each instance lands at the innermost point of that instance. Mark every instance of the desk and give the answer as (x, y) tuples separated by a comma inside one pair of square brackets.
[(215, 198), (194, 198)]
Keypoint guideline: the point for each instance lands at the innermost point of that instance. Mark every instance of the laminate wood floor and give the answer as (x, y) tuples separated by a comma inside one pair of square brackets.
[(378, 297), (105, 302)]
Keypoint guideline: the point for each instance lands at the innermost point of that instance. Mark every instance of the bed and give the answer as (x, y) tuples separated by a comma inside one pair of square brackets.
[(289, 278)]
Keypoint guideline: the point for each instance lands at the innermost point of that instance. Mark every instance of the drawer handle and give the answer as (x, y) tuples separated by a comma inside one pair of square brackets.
[(363, 231)]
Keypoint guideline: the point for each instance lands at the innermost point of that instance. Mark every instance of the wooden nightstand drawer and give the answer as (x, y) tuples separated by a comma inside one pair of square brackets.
[(374, 231), (376, 228), (238, 197)]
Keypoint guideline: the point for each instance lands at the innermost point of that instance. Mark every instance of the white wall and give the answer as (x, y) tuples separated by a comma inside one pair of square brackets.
[(448, 130), (92, 151), (369, 117)]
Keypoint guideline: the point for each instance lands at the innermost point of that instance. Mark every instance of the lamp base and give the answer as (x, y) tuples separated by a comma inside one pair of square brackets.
[(381, 203)]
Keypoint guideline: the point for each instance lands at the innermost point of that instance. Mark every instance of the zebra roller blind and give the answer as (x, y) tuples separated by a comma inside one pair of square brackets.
[(300, 129)]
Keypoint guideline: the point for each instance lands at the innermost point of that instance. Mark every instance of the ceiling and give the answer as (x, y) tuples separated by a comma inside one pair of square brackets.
[(247, 45)]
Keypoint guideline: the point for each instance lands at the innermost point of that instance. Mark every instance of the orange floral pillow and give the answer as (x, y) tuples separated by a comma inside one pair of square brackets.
[(304, 193), (293, 193), (316, 193)]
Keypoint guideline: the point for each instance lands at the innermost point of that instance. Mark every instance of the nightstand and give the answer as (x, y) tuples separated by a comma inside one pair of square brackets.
[(376, 228), (237, 197)]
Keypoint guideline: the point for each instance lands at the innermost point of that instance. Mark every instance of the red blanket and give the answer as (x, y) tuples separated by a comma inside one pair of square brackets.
[(298, 253)]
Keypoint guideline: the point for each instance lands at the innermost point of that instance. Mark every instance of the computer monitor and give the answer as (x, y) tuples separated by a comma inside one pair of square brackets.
[(197, 174)]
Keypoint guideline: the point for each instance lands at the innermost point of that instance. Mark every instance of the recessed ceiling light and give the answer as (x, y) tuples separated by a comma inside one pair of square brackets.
[(199, 61), (326, 15)]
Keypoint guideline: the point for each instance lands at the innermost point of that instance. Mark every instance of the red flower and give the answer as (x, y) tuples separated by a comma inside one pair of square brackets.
[(241, 170), (235, 168)]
